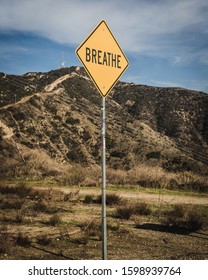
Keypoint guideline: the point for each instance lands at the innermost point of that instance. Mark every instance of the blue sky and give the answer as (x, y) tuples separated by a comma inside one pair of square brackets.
[(165, 41)]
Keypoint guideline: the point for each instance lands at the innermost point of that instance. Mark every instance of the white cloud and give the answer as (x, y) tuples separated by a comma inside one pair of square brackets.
[(150, 27)]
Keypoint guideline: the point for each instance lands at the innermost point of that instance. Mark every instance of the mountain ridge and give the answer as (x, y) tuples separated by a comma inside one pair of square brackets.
[(57, 114)]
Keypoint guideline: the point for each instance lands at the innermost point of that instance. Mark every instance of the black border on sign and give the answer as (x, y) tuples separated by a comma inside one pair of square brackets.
[(76, 51)]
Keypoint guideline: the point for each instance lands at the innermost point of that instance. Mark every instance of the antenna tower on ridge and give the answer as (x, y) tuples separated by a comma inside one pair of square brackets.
[(63, 62)]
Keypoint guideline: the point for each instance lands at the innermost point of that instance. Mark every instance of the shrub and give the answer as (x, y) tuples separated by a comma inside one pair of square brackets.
[(43, 240), (54, 220), (148, 176), (20, 190), (92, 229), (124, 212), (11, 203), (185, 218), (141, 208), (114, 226), (116, 176), (72, 196), (40, 207), (22, 240), (19, 218), (190, 181), (88, 199), (5, 240), (195, 220), (74, 176), (111, 199)]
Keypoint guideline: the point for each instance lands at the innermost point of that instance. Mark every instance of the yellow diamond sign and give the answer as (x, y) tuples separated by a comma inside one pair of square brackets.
[(102, 58)]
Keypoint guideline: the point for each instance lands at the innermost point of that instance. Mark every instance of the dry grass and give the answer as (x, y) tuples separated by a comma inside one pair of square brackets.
[(39, 233), (39, 165), (129, 209), (184, 217)]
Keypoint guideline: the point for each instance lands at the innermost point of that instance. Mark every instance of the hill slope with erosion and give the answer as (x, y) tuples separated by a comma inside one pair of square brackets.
[(54, 119)]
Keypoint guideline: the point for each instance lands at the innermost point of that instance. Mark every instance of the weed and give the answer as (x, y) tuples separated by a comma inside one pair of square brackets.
[(141, 208), (21, 190), (124, 212), (88, 199), (117, 176), (19, 218), (72, 196), (11, 203), (91, 229), (40, 207), (54, 220), (111, 199), (114, 226), (185, 218), (67, 197), (43, 240), (83, 240), (22, 240), (5, 240), (74, 176), (195, 220)]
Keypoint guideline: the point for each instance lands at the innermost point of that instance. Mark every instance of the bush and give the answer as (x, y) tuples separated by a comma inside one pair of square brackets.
[(116, 176), (148, 176), (22, 240), (92, 229), (111, 199), (20, 190), (19, 218), (54, 220), (43, 240), (183, 217), (74, 176), (141, 208), (124, 212), (42, 207), (11, 203), (88, 199), (5, 240)]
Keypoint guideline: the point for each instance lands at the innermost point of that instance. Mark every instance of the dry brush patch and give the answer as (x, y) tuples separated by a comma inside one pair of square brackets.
[(184, 217), (74, 230)]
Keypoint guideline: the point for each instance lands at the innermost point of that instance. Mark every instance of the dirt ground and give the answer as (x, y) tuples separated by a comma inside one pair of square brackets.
[(57, 223)]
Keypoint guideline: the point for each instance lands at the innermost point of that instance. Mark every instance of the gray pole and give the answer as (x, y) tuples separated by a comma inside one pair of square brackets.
[(104, 225)]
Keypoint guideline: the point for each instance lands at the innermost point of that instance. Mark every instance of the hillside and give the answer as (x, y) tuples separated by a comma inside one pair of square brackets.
[(54, 118)]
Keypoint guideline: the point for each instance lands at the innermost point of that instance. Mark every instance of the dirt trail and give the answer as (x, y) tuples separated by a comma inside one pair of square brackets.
[(140, 195), (57, 82), (154, 198)]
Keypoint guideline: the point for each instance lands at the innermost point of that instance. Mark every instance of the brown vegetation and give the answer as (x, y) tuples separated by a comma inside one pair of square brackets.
[(46, 225)]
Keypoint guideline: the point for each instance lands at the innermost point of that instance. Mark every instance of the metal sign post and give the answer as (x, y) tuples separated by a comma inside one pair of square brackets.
[(105, 62), (104, 223)]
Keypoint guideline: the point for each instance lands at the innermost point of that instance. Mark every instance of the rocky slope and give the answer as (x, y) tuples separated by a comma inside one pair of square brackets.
[(55, 117)]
